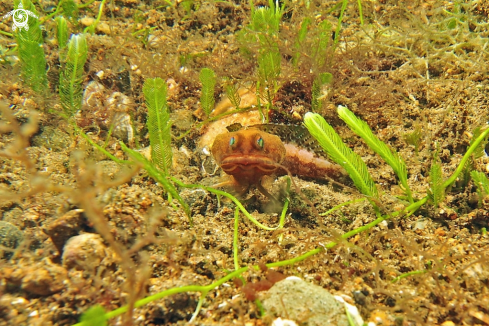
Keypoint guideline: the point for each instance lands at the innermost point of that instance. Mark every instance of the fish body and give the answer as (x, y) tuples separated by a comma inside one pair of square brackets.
[(249, 153)]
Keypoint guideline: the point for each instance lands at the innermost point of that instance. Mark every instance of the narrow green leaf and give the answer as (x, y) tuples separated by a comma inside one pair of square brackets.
[(61, 32), (344, 4), (158, 123), (467, 156), (464, 177), (362, 129), (71, 76), (269, 65), (318, 83), (341, 154), (208, 79), (437, 189), (301, 36)]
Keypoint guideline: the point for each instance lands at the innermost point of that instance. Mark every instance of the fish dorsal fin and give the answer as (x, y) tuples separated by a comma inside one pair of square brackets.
[(234, 127)]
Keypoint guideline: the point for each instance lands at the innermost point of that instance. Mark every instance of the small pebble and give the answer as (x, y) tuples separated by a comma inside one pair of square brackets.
[(84, 252), (65, 227), (298, 300), (10, 237)]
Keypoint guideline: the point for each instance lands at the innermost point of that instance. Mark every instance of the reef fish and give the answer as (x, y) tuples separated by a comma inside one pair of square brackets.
[(249, 153)]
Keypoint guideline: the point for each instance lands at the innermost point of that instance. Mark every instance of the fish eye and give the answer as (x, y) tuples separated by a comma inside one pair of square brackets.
[(260, 142), (232, 141)]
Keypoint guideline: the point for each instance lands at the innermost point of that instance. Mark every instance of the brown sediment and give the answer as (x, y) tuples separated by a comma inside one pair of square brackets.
[(411, 64)]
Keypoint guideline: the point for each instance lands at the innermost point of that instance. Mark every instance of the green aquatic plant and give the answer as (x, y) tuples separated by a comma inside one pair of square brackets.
[(362, 129), (332, 144), (317, 85), (436, 192), (31, 51), (414, 138), (482, 183), (357, 170), (313, 47), (158, 123), (265, 26), (457, 16), (94, 316), (143, 34), (91, 29), (62, 33), (312, 41), (159, 176), (6, 56), (62, 36), (301, 36), (479, 151), (70, 9), (159, 129), (344, 4), (321, 42), (232, 93), (208, 79), (71, 75)]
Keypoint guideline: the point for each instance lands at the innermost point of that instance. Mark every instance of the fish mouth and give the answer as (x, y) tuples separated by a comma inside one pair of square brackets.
[(248, 162)]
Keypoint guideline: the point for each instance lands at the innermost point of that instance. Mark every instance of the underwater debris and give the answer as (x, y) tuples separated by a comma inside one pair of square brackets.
[(104, 109)]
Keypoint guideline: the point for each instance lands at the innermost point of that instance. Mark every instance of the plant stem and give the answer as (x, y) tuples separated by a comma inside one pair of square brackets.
[(343, 204), (235, 239), (6, 33), (234, 199), (409, 274), (97, 146), (91, 28), (340, 20), (466, 157)]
